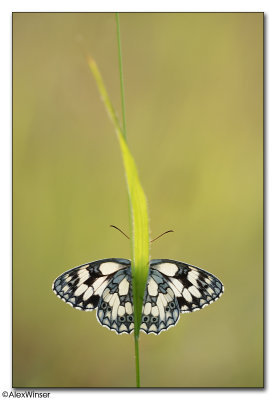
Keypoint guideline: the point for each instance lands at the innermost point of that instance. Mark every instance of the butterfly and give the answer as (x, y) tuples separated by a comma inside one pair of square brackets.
[(172, 288)]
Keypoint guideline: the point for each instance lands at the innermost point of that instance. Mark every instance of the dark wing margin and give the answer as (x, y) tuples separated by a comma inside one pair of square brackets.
[(82, 287), (194, 287)]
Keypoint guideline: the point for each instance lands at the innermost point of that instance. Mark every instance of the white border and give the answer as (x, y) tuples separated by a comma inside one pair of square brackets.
[(6, 9)]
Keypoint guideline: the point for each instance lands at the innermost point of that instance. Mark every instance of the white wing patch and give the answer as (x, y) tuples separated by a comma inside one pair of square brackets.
[(123, 287), (108, 268), (169, 269)]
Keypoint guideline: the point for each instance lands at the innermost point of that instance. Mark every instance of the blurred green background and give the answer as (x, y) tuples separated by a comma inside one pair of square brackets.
[(194, 98)]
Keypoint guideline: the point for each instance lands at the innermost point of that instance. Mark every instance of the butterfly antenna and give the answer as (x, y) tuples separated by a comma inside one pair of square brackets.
[(162, 234), (118, 229)]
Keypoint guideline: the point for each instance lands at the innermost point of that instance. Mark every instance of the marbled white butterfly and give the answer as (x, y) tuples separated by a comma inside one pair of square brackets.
[(172, 288)]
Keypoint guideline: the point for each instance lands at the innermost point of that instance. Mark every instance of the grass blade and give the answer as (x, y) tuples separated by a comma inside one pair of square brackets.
[(139, 216)]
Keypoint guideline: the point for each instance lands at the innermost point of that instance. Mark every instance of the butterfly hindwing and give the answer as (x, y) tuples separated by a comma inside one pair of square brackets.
[(194, 288), (82, 286), (115, 309), (160, 310)]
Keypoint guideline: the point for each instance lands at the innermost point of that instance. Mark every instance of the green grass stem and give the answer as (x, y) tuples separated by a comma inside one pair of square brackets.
[(139, 225), (137, 361)]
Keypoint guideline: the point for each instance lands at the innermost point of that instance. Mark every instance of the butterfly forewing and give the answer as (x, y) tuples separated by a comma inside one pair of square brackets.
[(194, 288), (83, 286)]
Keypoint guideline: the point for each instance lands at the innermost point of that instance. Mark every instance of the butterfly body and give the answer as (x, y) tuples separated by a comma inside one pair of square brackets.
[(172, 288)]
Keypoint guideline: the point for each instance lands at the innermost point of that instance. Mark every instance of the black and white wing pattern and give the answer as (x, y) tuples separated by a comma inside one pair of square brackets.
[(175, 287), (103, 284), (172, 288), (160, 308), (115, 309)]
